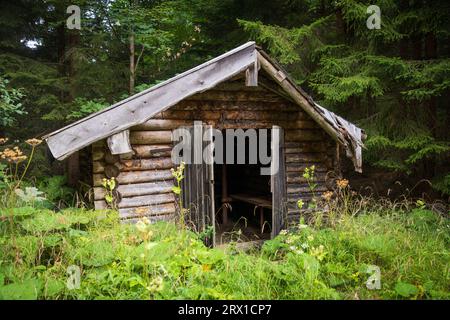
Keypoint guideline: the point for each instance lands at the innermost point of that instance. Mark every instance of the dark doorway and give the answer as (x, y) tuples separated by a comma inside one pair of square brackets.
[(243, 198)]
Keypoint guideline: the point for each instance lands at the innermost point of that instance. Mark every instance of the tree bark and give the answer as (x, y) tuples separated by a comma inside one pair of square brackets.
[(132, 68)]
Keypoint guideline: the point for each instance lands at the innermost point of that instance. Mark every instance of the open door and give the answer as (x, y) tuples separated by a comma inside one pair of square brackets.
[(198, 183), (278, 181)]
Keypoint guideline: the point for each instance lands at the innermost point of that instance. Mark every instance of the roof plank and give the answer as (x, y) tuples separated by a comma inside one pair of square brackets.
[(141, 107)]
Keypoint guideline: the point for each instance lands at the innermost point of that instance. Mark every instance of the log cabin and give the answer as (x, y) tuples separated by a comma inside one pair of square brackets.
[(132, 141)]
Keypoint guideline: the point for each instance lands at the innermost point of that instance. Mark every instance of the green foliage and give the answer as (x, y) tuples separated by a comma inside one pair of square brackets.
[(56, 190), (85, 107), (162, 261), (10, 106), (406, 290), (396, 93), (443, 184), (109, 185), (283, 42), (403, 154)]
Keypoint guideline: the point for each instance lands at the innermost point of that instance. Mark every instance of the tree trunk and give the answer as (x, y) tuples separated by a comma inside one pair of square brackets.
[(73, 41), (73, 169), (132, 68), (431, 53)]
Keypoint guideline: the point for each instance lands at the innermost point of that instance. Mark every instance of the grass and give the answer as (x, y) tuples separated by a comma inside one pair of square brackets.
[(164, 261)]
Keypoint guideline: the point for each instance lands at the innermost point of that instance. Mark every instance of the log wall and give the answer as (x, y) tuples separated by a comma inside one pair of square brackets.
[(145, 180)]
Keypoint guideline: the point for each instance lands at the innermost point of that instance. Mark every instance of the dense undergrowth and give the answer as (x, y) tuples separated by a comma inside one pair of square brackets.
[(41, 251)]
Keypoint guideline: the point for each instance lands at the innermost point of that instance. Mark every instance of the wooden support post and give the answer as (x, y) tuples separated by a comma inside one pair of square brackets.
[(73, 169), (119, 143), (251, 75), (225, 198)]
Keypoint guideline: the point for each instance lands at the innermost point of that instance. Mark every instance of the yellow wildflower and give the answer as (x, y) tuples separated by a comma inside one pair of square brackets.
[(342, 183), (34, 142), (327, 196), (14, 155)]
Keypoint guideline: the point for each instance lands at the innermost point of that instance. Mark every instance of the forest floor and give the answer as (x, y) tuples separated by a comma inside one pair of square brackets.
[(394, 253)]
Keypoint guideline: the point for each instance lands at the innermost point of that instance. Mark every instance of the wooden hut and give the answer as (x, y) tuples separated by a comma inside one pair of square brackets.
[(241, 89)]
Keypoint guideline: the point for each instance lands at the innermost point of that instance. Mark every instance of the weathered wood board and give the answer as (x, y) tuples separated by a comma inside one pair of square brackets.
[(142, 106)]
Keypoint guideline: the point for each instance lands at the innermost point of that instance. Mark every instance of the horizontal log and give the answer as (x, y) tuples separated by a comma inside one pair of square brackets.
[(258, 124), (151, 137), (100, 205), (139, 201), (297, 177), (292, 198), (147, 200), (137, 165), (155, 210), (137, 189), (262, 115), (231, 115), (304, 135), (187, 105), (142, 151), (188, 115), (217, 95), (305, 157), (303, 188), (161, 124), (145, 151), (165, 217), (300, 167), (298, 147), (292, 206), (137, 177)]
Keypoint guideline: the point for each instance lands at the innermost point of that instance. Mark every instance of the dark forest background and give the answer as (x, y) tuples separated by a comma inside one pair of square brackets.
[(394, 82)]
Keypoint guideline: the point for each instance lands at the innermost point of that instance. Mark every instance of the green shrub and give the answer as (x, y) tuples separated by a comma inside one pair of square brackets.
[(164, 261)]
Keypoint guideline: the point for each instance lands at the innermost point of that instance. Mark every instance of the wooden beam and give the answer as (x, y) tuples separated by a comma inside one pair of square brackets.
[(151, 137), (155, 210), (137, 177), (147, 200), (143, 106), (161, 124), (137, 189), (281, 78), (251, 75), (119, 143), (136, 165), (73, 170)]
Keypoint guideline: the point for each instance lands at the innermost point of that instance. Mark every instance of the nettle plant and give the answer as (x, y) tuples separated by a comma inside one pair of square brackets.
[(340, 201), (309, 175), (178, 174), (110, 185)]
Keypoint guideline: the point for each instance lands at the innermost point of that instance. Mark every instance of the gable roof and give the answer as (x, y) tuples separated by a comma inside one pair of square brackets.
[(143, 106)]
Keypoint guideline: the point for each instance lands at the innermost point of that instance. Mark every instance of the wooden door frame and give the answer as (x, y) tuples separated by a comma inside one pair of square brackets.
[(278, 184)]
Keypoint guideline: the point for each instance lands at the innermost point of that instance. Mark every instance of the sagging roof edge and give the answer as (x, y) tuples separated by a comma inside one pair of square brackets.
[(347, 134), (143, 106)]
